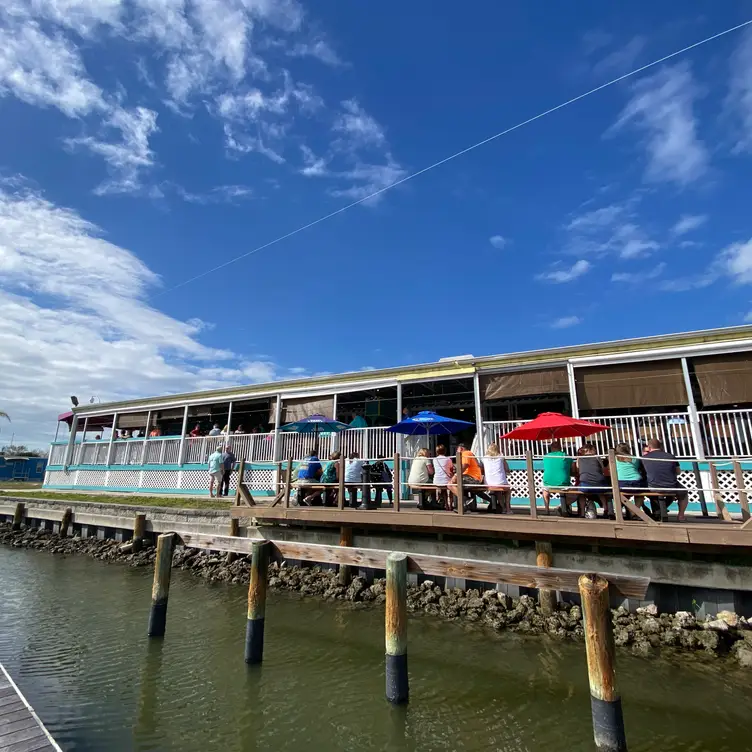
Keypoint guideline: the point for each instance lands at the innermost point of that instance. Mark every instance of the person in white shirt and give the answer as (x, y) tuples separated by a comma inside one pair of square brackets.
[(421, 472), (443, 470), (353, 478), (496, 472)]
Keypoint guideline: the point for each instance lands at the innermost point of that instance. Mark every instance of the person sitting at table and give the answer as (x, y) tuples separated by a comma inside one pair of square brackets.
[(240, 430), (557, 474), (628, 468), (381, 473), (309, 473), (331, 475), (196, 431), (215, 430), (443, 470), (353, 478), (592, 481), (472, 475), (495, 470), (421, 472), (662, 473)]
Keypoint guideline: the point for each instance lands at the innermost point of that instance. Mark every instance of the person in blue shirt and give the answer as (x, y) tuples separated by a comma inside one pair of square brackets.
[(309, 472)]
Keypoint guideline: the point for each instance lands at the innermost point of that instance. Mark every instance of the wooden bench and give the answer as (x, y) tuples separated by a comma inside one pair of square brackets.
[(472, 491), (606, 494)]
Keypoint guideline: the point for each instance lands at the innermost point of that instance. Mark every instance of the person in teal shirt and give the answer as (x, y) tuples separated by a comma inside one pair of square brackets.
[(216, 469), (628, 468), (557, 473)]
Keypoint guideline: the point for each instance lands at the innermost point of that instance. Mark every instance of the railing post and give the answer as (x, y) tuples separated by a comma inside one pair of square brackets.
[(254, 631), (71, 442), (397, 481), (694, 418), (460, 485), (113, 431), (397, 686), (741, 490), (720, 505), (161, 587), (341, 484), (181, 449), (288, 482), (605, 702), (532, 493), (146, 438), (615, 490)]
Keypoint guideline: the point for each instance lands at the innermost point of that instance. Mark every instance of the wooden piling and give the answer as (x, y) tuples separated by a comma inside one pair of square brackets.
[(65, 522), (345, 539), (741, 490), (544, 558), (397, 479), (615, 489), (720, 505), (397, 687), (160, 590), (288, 483), (531, 491), (254, 631), (234, 532), (139, 528), (605, 702), (18, 515)]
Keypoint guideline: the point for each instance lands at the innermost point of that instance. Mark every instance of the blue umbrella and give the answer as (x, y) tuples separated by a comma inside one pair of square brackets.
[(426, 423), (315, 424)]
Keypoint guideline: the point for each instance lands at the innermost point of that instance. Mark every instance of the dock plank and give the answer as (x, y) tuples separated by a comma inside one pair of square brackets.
[(21, 729)]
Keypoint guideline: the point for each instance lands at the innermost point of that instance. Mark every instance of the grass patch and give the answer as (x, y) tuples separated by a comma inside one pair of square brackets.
[(141, 501), (21, 485)]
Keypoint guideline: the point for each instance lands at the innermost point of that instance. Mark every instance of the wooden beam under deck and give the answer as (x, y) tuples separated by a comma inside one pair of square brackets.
[(691, 533)]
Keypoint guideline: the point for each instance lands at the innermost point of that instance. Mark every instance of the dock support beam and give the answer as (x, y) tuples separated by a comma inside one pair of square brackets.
[(397, 687), (18, 515), (139, 528), (254, 630), (345, 539), (234, 532), (65, 522), (160, 590), (605, 702), (544, 558)]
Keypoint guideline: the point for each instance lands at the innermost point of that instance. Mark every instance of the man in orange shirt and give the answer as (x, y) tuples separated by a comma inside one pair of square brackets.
[(472, 475)]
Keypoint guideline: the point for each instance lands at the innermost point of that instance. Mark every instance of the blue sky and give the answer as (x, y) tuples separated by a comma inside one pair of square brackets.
[(143, 143)]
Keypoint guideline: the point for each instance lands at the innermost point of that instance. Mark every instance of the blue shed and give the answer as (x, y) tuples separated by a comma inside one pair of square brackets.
[(22, 468)]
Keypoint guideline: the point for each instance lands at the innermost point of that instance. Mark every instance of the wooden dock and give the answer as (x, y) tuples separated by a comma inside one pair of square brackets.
[(20, 727)]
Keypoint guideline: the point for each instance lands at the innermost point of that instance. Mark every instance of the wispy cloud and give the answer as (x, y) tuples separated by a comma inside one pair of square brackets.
[(565, 322), (688, 223), (358, 127), (622, 59), (638, 278), (662, 108), (739, 100), (560, 274), (498, 241)]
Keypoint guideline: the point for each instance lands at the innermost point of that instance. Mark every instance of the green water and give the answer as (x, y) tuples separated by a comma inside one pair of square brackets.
[(73, 635)]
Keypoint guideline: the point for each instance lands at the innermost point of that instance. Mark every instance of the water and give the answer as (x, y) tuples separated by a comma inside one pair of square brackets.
[(73, 635)]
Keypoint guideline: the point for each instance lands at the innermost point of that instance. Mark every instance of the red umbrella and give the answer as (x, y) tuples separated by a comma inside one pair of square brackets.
[(549, 426)]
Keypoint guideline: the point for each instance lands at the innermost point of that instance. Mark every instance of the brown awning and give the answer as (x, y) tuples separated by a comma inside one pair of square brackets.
[(295, 409), (524, 383), (724, 379), (658, 383)]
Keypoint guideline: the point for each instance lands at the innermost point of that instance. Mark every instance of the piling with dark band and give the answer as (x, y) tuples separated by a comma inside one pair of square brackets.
[(608, 721), (161, 588), (254, 631), (18, 515), (65, 522), (139, 528), (397, 687)]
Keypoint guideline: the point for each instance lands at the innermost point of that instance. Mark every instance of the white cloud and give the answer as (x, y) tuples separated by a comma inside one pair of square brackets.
[(661, 107), (688, 223), (319, 49), (739, 100), (358, 127), (736, 262), (565, 322), (74, 320), (621, 60), (636, 278), (560, 275), (498, 241), (130, 155), (220, 194), (369, 179)]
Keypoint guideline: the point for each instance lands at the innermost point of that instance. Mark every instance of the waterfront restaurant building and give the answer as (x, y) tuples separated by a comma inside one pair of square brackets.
[(691, 390)]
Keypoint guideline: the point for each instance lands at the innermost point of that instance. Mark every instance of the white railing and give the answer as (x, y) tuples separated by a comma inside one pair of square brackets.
[(673, 429), (57, 454), (726, 433), (253, 447), (91, 453), (198, 449), (162, 451)]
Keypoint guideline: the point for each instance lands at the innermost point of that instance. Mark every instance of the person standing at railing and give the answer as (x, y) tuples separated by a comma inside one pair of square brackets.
[(662, 473), (228, 467), (215, 472)]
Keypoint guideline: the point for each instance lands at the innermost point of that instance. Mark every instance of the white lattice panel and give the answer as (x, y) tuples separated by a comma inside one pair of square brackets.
[(59, 478), (688, 480), (727, 480), (123, 479), (195, 480), (91, 478), (160, 479)]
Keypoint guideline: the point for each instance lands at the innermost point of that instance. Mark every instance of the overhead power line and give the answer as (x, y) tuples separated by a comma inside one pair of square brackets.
[(477, 145)]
